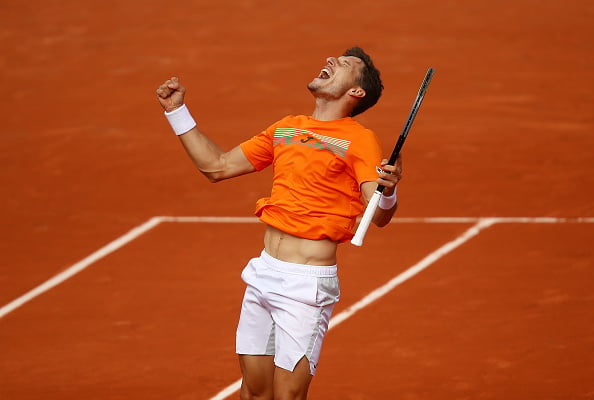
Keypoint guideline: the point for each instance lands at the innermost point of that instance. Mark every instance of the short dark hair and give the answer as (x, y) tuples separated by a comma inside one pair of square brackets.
[(369, 81)]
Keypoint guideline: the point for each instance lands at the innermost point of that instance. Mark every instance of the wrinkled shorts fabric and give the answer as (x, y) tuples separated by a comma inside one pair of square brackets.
[(286, 310)]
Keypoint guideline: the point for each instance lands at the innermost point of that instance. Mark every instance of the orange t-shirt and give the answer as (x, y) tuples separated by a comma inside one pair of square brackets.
[(319, 167)]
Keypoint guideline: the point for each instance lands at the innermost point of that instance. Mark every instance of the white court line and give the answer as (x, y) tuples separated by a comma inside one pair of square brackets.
[(480, 223), (151, 223), (412, 271), (79, 266), (389, 286), (406, 220), (212, 220)]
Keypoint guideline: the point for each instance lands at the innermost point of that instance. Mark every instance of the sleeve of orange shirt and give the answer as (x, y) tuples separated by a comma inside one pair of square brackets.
[(366, 155), (259, 149)]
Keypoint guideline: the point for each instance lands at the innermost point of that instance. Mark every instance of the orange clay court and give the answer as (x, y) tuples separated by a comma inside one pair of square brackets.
[(119, 266)]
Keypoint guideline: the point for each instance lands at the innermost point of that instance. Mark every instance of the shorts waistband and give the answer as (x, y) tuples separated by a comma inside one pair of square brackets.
[(300, 269)]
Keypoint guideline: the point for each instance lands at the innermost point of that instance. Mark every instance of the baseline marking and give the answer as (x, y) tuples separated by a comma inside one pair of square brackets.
[(412, 271), (153, 222), (79, 266), (479, 225), (389, 286)]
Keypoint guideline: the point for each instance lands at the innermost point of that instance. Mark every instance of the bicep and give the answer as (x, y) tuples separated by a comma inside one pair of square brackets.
[(235, 164)]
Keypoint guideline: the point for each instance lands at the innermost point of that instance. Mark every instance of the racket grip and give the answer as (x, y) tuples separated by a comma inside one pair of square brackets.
[(357, 240)]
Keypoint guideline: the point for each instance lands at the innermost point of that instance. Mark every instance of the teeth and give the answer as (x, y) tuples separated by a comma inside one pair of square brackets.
[(325, 73)]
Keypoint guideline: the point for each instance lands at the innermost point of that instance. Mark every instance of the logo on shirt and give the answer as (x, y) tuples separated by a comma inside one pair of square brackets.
[(304, 137)]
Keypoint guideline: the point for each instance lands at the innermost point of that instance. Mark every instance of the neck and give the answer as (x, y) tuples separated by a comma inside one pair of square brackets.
[(326, 110)]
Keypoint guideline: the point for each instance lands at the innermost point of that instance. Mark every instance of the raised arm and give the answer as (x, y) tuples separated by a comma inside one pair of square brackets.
[(210, 159), (389, 179)]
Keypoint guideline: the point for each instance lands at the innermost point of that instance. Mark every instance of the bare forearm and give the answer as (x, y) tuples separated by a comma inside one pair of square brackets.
[(383, 217), (387, 204), (213, 162), (204, 153)]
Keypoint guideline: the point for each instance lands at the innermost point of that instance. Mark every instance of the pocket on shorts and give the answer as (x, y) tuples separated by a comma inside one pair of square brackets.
[(248, 275), (328, 290), (300, 288)]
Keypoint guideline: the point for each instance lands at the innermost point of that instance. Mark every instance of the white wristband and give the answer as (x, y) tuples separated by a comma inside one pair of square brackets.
[(386, 203), (181, 120)]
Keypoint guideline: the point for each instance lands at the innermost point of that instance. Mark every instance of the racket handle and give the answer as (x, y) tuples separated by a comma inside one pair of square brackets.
[(357, 240)]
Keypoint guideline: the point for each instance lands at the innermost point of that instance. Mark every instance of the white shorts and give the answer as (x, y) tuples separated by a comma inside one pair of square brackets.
[(286, 309)]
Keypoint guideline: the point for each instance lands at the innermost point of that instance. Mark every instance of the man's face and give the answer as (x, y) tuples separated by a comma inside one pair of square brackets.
[(337, 77)]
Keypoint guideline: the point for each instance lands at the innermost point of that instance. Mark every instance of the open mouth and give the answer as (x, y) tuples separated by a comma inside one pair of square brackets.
[(325, 73)]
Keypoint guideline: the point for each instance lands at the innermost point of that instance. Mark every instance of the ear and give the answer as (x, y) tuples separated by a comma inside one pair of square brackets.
[(357, 92)]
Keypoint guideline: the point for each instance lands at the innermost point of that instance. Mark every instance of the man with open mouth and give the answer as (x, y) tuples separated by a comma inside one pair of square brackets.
[(325, 171)]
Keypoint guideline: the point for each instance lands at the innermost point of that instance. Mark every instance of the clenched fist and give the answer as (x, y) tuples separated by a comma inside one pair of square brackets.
[(171, 94)]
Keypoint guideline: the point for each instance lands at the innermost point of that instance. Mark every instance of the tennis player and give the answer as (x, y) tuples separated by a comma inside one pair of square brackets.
[(326, 168)]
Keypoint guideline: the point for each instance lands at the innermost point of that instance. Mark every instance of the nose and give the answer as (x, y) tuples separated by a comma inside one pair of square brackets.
[(331, 61)]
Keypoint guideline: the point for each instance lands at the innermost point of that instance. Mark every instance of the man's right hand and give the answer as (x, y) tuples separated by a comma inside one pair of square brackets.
[(171, 94)]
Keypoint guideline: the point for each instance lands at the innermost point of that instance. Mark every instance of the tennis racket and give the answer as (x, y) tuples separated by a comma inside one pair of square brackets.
[(357, 240)]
